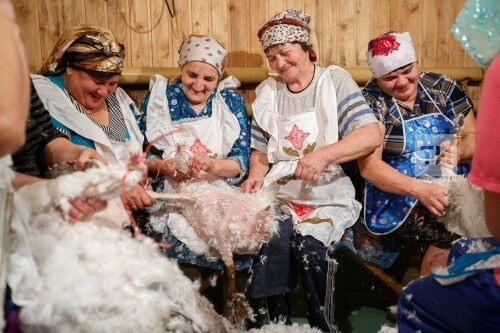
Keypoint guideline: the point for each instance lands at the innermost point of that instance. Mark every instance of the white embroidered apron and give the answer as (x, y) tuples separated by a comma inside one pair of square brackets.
[(61, 108), (214, 135), (324, 208)]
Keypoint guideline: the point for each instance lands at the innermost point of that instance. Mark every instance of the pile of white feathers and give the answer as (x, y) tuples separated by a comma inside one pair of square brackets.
[(90, 277), (87, 277)]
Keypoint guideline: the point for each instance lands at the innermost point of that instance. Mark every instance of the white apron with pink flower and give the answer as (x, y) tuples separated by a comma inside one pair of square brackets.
[(213, 135), (322, 209)]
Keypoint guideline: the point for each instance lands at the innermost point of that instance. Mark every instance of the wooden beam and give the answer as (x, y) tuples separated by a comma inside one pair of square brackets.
[(255, 75)]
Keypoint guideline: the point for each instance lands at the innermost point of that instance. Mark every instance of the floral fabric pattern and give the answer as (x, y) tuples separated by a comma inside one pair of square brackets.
[(96, 48), (297, 137), (286, 27), (383, 45), (199, 147), (181, 111), (302, 211), (444, 91), (240, 152)]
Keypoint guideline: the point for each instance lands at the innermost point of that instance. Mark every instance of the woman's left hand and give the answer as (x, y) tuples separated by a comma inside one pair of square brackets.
[(82, 209), (202, 162), (450, 155), (137, 198), (310, 167), (84, 155)]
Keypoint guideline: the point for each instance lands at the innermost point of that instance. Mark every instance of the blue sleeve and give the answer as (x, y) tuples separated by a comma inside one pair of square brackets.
[(240, 152), (73, 136), (141, 122)]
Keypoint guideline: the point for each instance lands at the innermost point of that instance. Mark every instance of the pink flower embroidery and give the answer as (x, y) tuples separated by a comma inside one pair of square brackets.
[(383, 45), (302, 211), (199, 147), (297, 137)]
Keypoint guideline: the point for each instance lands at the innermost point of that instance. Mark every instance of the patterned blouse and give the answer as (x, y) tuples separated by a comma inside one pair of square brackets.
[(445, 92), (180, 109)]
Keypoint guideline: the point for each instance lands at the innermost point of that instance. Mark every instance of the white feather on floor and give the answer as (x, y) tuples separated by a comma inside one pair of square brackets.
[(388, 329), (90, 278), (282, 328)]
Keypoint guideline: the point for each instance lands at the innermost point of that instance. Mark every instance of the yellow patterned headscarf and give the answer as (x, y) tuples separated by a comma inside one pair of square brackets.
[(88, 47)]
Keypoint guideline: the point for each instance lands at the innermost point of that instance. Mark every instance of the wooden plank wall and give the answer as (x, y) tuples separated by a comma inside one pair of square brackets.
[(341, 29)]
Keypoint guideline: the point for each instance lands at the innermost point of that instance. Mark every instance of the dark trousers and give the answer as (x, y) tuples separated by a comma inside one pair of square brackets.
[(316, 272)]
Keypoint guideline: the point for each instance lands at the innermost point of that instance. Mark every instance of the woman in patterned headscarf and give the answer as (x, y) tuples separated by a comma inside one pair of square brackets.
[(212, 128), (79, 87), (304, 126)]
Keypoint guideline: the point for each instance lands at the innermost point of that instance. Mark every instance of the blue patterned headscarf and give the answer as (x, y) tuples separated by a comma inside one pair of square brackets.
[(477, 28)]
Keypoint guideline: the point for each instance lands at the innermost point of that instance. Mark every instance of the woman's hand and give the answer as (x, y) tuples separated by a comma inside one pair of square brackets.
[(450, 155), (202, 162), (310, 167), (166, 167), (83, 155), (432, 196), (252, 184), (138, 199), (82, 209)]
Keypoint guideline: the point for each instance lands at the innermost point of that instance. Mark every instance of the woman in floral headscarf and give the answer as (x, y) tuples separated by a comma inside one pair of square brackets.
[(419, 114), (199, 114), (79, 87), (304, 125)]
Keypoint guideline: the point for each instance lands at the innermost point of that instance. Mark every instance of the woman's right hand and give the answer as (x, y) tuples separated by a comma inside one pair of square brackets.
[(432, 196), (252, 184), (138, 199)]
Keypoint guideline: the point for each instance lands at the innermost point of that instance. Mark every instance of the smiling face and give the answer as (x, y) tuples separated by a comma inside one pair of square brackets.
[(89, 90), (402, 83), (290, 61), (199, 79)]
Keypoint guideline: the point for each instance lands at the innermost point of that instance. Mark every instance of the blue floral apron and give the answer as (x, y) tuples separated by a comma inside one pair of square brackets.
[(384, 212)]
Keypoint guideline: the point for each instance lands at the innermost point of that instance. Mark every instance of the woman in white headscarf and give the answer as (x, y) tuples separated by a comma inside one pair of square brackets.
[(198, 114), (419, 113)]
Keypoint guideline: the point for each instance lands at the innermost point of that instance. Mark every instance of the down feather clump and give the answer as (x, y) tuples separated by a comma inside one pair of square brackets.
[(88, 277)]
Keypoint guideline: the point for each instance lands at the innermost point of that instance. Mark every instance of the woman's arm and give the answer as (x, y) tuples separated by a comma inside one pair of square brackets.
[(81, 209), (388, 179), (62, 150), (259, 166), (14, 83), (358, 143)]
